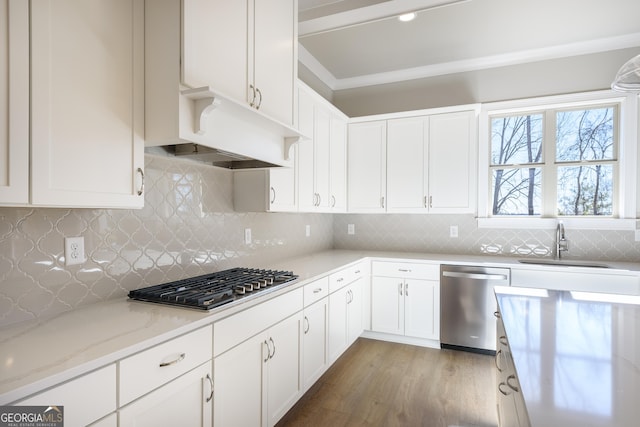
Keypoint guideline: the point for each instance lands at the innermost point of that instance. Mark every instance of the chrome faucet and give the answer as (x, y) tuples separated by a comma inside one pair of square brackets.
[(562, 244)]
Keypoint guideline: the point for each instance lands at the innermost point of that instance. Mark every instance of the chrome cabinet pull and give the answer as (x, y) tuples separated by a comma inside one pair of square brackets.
[(503, 340), (425, 201), (317, 290), (501, 391), (333, 201), (497, 314), (382, 202), (141, 189), (400, 288), (268, 352), (340, 279), (306, 321), (512, 387), (210, 382), (274, 348), (259, 99), (252, 103), (173, 362), (404, 270), (430, 201), (498, 353), (273, 195), (406, 289)]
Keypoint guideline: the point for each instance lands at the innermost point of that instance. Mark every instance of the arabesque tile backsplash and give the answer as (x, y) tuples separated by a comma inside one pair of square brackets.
[(188, 227)]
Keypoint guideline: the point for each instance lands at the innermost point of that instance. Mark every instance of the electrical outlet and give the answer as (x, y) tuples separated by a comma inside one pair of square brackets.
[(307, 230), (247, 236), (453, 231), (637, 235), (73, 250), (351, 229)]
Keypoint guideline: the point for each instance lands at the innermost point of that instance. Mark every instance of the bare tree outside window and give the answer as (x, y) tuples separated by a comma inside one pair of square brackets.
[(516, 143), (585, 138), (583, 164)]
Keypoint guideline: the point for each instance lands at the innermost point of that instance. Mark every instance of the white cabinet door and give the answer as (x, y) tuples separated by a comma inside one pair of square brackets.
[(354, 311), (337, 323), (338, 165), (79, 408), (314, 342), (237, 377), (305, 152), (14, 102), (263, 373), (321, 145), (452, 162), (215, 32), (387, 305), (185, 401), (274, 57), (422, 309), (366, 166), (283, 367), (87, 98), (282, 190), (406, 164)]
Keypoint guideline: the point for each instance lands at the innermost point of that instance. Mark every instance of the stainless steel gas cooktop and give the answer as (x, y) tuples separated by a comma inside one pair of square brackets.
[(213, 290)]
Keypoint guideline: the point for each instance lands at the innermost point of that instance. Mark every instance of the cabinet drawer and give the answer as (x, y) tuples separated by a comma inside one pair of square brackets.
[(98, 386), (149, 369), (406, 270), (237, 328), (344, 277), (315, 291)]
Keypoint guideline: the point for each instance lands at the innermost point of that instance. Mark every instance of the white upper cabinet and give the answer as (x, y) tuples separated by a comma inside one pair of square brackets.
[(86, 103), (246, 50), (430, 163), (452, 162), (366, 166), (322, 160), (14, 102), (407, 186), (221, 74)]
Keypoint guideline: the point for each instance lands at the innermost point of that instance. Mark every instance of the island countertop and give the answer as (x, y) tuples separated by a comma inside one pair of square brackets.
[(576, 355)]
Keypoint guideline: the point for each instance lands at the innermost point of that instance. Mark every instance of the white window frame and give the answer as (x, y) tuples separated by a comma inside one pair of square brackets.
[(627, 193)]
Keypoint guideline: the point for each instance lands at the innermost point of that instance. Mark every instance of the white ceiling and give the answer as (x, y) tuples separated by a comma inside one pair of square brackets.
[(356, 43)]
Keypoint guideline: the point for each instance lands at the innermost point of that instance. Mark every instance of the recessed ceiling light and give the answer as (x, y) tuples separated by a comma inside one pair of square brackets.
[(407, 17)]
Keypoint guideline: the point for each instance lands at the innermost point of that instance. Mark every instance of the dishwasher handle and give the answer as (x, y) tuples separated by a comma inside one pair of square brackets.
[(475, 276)]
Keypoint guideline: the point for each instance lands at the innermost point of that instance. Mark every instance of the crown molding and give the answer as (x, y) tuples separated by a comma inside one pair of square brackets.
[(474, 64)]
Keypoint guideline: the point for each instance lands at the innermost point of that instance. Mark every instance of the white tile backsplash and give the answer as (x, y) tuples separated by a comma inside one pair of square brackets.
[(188, 227)]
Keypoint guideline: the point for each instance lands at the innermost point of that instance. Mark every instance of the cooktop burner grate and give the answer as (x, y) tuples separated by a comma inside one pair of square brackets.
[(213, 290)]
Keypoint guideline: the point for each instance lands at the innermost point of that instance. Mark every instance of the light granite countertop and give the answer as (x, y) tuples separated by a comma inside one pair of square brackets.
[(38, 354), (577, 360)]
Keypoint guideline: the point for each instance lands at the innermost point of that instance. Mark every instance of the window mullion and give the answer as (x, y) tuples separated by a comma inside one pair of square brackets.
[(550, 169)]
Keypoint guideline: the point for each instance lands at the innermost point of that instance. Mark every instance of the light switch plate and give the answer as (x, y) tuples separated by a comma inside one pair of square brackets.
[(247, 236), (351, 229), (307, 230), (453, 231), (73, 250)]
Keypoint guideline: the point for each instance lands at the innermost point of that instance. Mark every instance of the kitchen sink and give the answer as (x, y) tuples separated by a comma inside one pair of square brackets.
[(563, 263)]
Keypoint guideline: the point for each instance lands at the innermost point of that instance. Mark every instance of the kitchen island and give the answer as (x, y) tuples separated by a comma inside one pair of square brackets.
[(576, 356)]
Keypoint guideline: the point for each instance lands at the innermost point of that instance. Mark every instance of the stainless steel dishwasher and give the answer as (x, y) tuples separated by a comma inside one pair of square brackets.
[(467, 306)]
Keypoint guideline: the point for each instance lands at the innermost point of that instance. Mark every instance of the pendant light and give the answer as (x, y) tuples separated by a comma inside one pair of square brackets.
[(628, 77)]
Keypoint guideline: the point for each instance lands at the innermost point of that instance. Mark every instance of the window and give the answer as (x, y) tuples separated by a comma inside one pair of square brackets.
[(564, 158)]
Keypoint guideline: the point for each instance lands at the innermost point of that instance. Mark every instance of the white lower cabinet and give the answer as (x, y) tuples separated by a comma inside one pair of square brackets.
[(79, 408), (314, 339), (258, 381), (185, 401), (345, 318), (405, 299)]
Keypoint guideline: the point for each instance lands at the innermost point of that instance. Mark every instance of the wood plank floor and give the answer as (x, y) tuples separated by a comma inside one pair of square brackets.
[(377, 383)]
